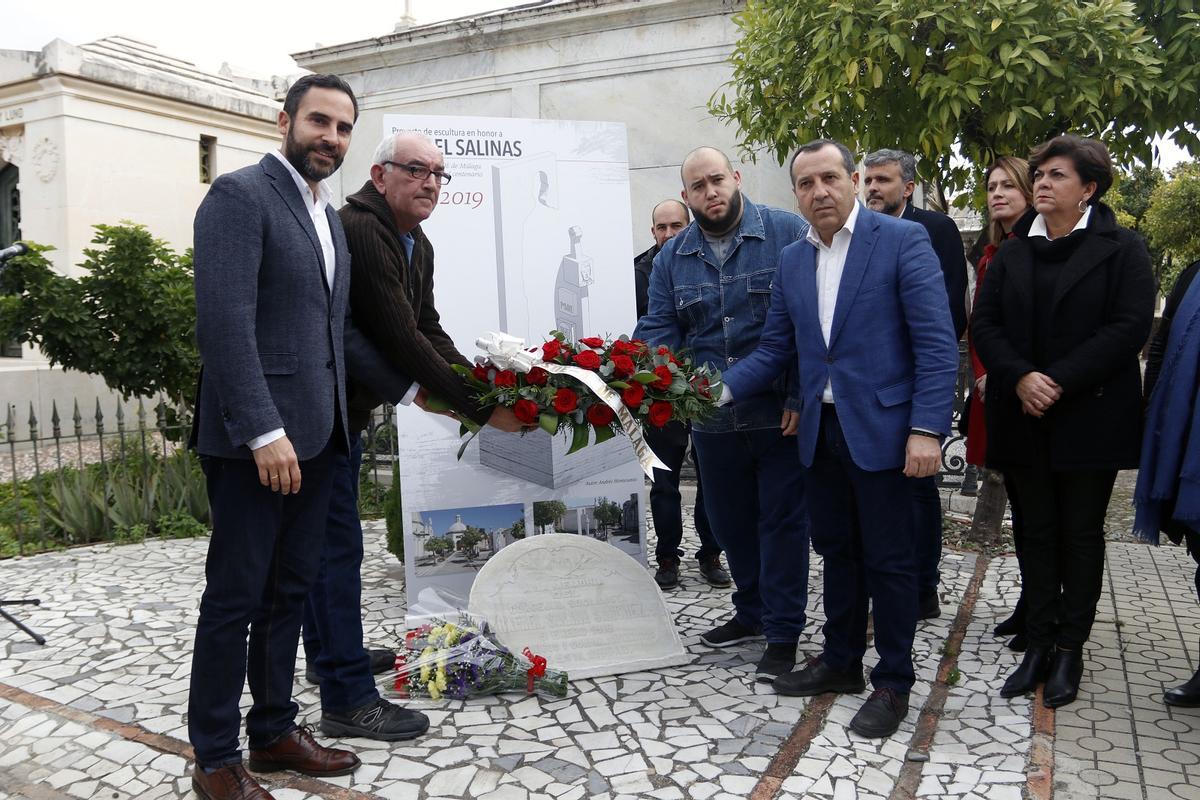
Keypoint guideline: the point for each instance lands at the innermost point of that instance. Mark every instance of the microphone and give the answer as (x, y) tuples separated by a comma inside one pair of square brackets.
[(18, 249)]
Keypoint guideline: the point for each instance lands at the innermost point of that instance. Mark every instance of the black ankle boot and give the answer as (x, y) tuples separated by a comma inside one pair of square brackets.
[(1029, 674), (1015, 623), (1062, 686), (1186, 696)]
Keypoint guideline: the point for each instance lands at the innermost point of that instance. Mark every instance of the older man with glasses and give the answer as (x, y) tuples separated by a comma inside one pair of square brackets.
[(391, 299)]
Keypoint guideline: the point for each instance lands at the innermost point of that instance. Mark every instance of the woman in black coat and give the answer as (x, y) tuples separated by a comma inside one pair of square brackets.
[(1060, 320)]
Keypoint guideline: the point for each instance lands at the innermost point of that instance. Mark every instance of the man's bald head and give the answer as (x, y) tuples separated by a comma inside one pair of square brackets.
[(667, 219), (702, 151)]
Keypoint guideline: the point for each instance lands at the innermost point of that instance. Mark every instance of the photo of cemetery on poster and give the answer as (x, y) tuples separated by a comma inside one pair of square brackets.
[(530, 235)]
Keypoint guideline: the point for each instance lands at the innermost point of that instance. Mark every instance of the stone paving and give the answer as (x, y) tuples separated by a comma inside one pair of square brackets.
[(100, 710)]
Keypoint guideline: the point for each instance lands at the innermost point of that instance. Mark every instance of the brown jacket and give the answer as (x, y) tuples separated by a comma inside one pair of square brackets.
[(392, 302)]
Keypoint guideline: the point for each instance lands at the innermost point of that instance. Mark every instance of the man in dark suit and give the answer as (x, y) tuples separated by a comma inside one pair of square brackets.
[(391, 299), (272, 276), (857, 308), (889, 182), (670, 443)]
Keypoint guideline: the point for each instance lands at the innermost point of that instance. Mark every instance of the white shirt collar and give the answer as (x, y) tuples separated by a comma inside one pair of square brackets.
[(1038, 228), (815, 238), (324, 193)]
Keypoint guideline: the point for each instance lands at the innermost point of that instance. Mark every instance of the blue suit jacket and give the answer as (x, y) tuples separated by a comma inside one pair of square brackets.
[(892, 357), (269, 329)]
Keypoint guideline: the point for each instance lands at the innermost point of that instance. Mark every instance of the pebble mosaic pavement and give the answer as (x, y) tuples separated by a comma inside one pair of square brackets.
[(99, 711)]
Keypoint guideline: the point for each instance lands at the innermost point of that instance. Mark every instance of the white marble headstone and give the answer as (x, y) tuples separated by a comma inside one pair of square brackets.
[(586, 606)]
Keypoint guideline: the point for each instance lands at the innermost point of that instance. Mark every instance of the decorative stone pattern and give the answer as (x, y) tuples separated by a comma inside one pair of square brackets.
[(119, 621)]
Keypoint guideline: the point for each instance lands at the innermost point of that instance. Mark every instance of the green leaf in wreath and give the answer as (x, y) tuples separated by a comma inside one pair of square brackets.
[(645, 377), (604, 433), (548, 422), (579, 438)]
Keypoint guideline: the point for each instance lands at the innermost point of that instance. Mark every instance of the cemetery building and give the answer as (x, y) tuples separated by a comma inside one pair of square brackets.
[(108, 132)]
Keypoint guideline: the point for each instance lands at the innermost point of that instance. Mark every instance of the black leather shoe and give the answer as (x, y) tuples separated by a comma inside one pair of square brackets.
[(1066, 670), (778, 659), (714, 573), (881, 715), (1011, 626), (1186, 696), (381, 661), (1018, 643), (380, 720), (929, 608), (667, 574), (1029, 674), (817, 678), (729, 634)]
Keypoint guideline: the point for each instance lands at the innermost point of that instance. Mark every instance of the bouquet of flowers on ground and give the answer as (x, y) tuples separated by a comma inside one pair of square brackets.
[(592, 386), (460, 660)]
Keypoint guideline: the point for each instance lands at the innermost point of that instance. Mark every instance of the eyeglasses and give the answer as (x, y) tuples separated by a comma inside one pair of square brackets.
[(421, 173)]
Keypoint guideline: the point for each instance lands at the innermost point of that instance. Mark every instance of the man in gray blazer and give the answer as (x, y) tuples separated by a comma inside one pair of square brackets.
[(272, 275)]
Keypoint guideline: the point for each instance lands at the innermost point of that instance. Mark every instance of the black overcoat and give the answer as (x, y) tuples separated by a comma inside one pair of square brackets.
[(1101, 313)]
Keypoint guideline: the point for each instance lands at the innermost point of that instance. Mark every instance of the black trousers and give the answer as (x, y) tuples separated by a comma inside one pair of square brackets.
[(670, 443), (1062, 563), (263, 557)]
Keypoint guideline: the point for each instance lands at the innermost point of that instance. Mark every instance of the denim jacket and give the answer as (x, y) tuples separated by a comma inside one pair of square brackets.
[(716, 311)]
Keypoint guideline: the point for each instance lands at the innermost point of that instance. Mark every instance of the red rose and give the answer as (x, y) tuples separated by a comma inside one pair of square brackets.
[(588, 360), (622, 348), (663, 350), (526, 411), (664, 378), (622, 366), (633, 395), (551, 349), (660, 413), (506, 377), (600, 415), (592, 341), (537, 377), (702, 387), (480, 372), (565, 400)]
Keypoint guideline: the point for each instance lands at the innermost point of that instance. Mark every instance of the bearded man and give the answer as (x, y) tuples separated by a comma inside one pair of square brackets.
[(709, 293)]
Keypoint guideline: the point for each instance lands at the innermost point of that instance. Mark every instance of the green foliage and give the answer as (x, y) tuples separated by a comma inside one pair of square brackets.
[(470, 539), (607, 513), (518, 529), (129, 318), (179, 525), (80, 497), (372, 497), (439, 545), (548, 512), (393, 515), (1171, 221), (940, 80)]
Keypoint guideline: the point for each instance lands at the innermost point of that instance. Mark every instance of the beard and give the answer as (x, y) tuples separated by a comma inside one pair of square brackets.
[(889, 207), (724, 222), (300, 157)]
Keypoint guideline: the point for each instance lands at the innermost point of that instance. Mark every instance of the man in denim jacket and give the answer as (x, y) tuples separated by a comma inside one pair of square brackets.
[(709, 293)]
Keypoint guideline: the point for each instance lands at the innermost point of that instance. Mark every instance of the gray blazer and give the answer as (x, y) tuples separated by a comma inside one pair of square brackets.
[(275, 343)]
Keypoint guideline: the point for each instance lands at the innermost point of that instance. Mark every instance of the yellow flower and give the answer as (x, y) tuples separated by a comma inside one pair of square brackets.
[(426, 664), (440, 681)]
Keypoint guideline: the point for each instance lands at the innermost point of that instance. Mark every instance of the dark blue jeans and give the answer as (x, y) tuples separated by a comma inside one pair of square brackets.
[(333, 631), (262, 558), (755, 499), (862, 525), (670, 444), (927, 517)]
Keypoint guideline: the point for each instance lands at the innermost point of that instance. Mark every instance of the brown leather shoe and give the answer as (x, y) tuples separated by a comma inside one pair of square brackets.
[(298, 751), (227, 783)]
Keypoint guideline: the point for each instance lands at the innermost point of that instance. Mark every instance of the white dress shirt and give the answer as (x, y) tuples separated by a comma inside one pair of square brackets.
[(315, 205), (1038, 228), (831, 261)]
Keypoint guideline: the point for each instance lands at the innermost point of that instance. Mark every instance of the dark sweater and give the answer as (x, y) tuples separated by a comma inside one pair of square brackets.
[(391, 301)]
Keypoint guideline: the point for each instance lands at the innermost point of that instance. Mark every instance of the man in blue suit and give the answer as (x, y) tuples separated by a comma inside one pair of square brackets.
[(860, 307), (272, 273)]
